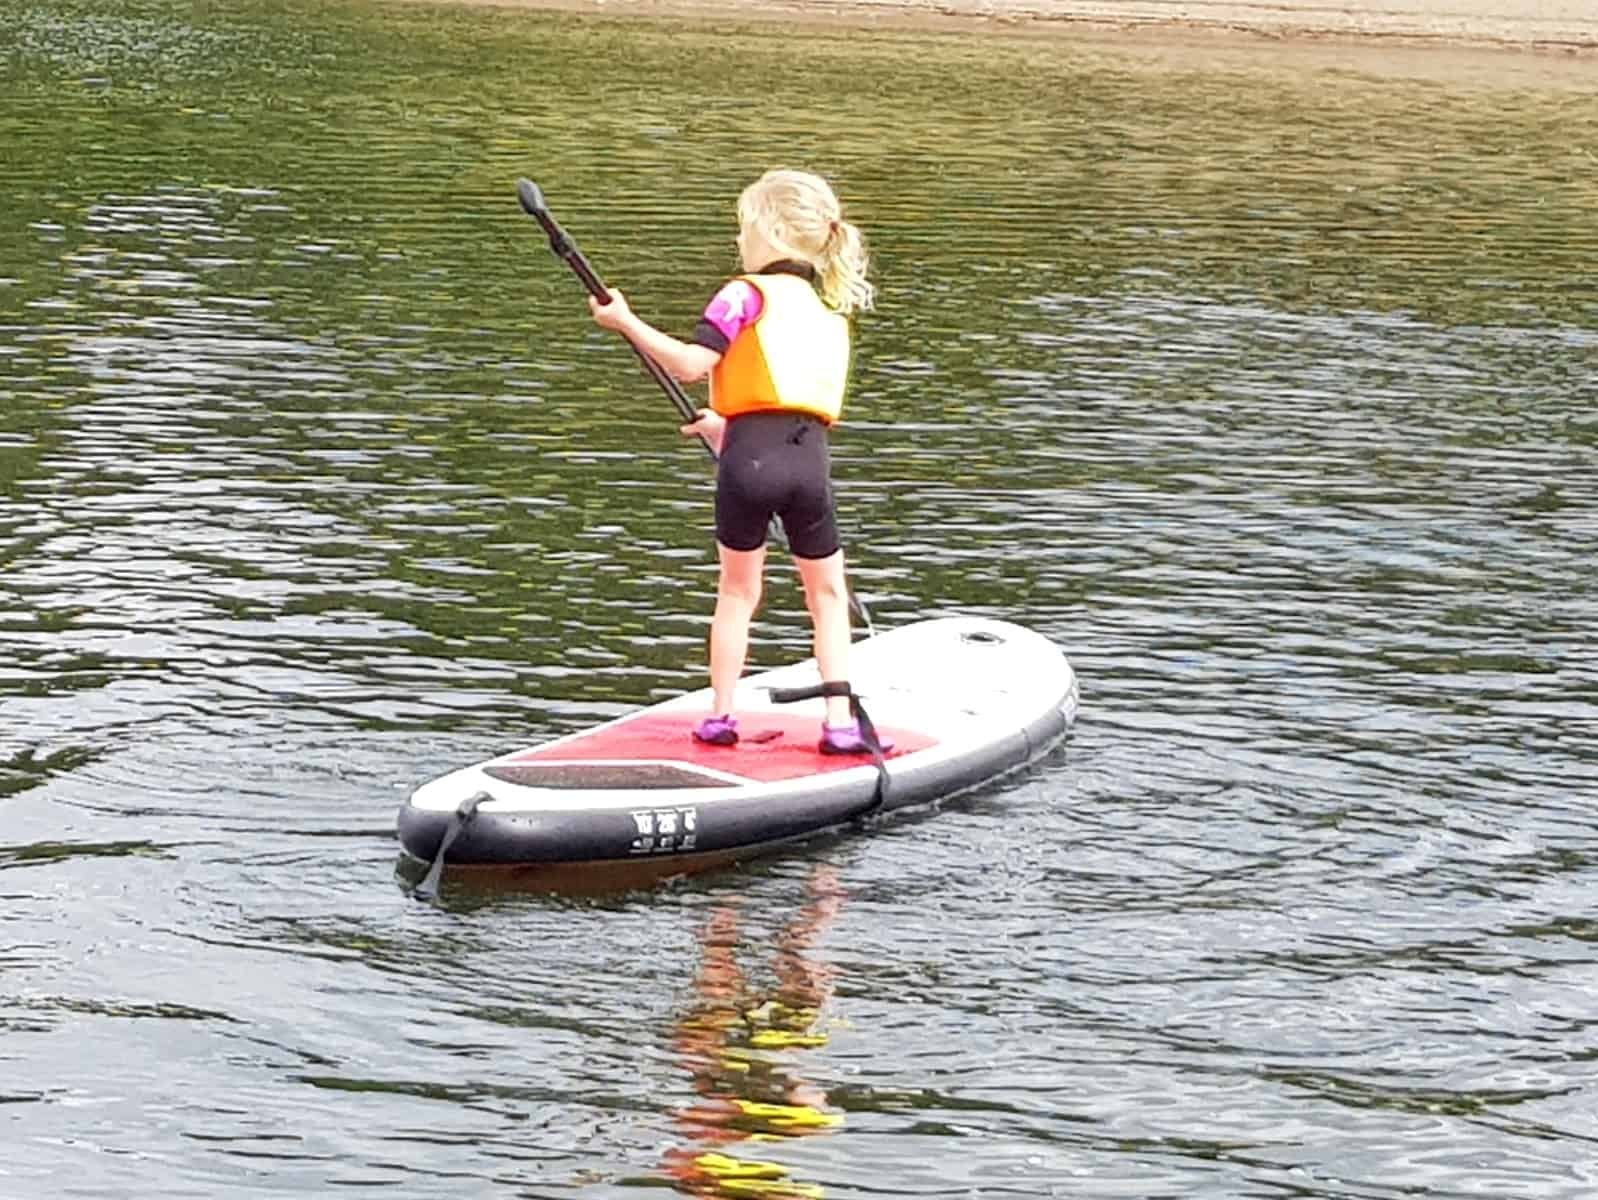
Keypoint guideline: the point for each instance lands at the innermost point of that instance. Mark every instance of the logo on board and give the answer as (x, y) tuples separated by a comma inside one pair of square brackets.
[(664, 830)]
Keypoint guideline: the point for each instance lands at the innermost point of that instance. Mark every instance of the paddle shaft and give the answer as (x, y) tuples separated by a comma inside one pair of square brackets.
[(566, 249)]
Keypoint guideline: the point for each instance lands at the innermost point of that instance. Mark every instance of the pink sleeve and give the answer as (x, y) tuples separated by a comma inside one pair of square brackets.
[(734, 308)]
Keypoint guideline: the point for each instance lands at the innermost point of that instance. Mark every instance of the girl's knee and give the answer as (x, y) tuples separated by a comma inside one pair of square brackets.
[(828, 591), (738, 592), (826, 595)]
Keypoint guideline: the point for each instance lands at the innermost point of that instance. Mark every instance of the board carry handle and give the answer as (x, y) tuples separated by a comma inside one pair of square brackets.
[(868, 730)]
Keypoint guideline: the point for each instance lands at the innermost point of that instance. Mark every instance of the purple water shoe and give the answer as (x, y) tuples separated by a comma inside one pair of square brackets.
[(845, 739), (718, 731)]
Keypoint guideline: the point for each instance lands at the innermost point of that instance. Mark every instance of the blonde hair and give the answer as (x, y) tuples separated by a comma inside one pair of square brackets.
[(798, 214)]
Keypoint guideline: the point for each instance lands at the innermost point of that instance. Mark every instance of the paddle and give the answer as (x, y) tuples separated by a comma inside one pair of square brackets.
[(561, 243), (565, 248)]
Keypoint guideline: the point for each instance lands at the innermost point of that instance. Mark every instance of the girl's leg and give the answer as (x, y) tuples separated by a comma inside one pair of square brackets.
[(827, 598), (737, 598)]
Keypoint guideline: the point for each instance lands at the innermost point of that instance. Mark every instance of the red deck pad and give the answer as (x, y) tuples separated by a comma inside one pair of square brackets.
[(771, 746)]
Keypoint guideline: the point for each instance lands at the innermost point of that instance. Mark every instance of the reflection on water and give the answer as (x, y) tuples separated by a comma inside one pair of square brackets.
[(1261, 381), (742, 1043)]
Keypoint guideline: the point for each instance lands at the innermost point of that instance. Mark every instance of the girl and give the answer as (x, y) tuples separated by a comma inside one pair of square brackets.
[(775, 343)]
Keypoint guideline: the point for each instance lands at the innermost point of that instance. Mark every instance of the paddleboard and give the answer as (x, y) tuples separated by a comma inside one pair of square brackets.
[(961, 699)]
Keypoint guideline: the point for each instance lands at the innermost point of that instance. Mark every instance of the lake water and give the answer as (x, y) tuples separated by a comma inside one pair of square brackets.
[(1264, 382)]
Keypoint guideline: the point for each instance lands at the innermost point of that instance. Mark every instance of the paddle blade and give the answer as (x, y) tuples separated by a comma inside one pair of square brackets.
[(532, 199)]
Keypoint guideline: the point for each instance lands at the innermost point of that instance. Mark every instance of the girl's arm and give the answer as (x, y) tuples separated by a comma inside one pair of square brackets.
[(685, 361)]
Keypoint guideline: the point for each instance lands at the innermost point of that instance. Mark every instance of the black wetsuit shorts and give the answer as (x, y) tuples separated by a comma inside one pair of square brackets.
[(776, 464)]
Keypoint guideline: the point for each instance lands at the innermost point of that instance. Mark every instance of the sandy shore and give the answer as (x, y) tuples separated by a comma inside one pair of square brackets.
[(1549, 23), (1560, 26)]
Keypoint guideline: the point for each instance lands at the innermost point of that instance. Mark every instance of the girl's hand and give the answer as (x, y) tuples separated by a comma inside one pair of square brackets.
[(615, 315), (708, 425)]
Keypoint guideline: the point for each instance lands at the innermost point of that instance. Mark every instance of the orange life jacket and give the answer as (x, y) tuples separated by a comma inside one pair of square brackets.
[(794, 356)]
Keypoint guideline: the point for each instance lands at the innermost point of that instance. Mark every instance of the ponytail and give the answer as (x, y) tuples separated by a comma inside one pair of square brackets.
[(844, 285), (799, 215)]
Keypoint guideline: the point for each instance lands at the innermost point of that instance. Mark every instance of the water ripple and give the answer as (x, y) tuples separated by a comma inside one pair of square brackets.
[(1265, 392)]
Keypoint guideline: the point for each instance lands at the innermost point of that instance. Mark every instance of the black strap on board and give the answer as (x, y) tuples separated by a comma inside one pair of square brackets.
[(868, 731), (428, 888)]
